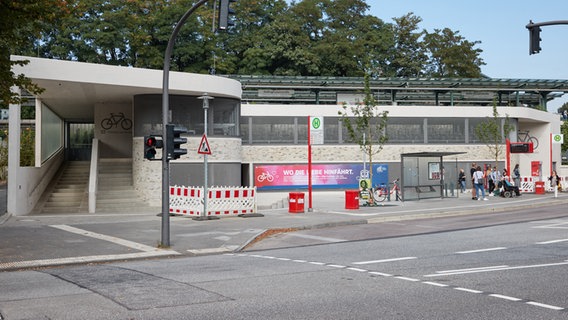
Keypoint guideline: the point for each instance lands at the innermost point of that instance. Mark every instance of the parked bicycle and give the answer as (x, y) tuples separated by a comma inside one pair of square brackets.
[(524, 136), (114, 120), (382, 192)]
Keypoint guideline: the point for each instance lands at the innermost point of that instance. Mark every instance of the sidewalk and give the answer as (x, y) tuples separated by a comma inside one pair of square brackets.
[(49, 240)]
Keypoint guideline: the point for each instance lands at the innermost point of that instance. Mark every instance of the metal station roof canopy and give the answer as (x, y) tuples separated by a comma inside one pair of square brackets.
[(404, 91)]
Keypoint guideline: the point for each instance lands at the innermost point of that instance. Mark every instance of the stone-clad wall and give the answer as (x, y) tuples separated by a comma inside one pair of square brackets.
[(147, 175), (352, 153)]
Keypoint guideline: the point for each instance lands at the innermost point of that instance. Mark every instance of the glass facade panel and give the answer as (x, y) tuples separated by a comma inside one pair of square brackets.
[(51, 133), (187, 111), (405, 130), (446, 130), (273, 130)]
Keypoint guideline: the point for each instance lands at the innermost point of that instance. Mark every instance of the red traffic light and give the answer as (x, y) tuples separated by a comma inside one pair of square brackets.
[(151, 141)]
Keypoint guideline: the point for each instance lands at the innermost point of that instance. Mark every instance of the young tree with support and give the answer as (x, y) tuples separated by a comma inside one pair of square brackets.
[(366, 126)]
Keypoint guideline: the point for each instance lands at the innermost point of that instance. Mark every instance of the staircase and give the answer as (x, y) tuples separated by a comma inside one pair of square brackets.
[(116, 192), (69, 192)]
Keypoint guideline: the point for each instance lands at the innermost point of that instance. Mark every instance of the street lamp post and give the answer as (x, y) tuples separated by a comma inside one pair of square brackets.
[(165, 241)]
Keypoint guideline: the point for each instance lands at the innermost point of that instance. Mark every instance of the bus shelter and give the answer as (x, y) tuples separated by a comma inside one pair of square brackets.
[(424, 175)]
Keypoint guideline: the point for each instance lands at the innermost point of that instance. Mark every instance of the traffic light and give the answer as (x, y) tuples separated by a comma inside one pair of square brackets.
[(151, 143), (174, 141), (224, 12), (534, 39)]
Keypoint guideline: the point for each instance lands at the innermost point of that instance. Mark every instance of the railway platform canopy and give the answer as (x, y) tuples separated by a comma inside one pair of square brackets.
[(401, 91)]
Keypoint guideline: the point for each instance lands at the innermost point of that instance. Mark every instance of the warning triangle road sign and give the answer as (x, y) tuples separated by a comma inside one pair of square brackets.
[(204, 146)]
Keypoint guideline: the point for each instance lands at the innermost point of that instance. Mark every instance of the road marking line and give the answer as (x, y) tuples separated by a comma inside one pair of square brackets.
[(381, 274), (356, 269), (468, 290), (299, 261), (552, 241), (407, 279), (500, 296), (499, 269), (545, 305), (384, 260), (115, 240), (336, 266), (317, 263), (284, 259), (307, 236), (482, 250), (472, 269), (435, 284)]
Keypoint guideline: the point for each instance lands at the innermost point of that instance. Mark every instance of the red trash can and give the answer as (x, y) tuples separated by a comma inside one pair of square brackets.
[(351, 199), (296, 202), (539, 187)]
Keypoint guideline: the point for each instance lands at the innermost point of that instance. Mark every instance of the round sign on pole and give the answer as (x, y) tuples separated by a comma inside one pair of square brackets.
[(557, 138)]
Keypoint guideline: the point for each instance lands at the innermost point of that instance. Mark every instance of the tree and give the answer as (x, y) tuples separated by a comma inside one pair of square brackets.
[(408, 56), (451, 55), (366, 125), (19, 21), (492, 132)]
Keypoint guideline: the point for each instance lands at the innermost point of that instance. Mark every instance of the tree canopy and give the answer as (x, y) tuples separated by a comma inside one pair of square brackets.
[(270, 37)]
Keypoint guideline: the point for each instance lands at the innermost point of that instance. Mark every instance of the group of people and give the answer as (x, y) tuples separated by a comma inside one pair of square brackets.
[(495, 179)]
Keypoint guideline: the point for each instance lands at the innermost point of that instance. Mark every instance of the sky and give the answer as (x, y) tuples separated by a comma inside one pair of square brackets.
[(500, 25)]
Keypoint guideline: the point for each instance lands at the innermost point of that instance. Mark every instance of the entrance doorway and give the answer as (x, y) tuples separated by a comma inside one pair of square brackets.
[(79, 141)]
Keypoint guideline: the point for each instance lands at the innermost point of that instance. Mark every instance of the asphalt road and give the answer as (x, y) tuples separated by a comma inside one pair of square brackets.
[(507, 271)]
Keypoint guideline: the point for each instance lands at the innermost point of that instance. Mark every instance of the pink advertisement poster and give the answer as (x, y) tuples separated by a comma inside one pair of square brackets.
[(324, 176)]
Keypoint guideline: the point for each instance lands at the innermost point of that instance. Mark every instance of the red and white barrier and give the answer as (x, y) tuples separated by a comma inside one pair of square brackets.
[(220, 200), (528, 183)]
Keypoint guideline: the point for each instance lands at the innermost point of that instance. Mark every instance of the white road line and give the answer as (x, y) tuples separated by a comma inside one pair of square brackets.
[(552, 241), (482, 250), (435, 284), (299, 261), (307, 236), (336, 266), (317, 263), (380, 274), (499, 269), (468, 290), (384, 260), (500, 296), (472, 269), (407, 279), (122, 242), (356, 269), (547, 306)]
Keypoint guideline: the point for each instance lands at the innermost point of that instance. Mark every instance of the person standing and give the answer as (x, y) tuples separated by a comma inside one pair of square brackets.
[(461, 180), (472, 171), (554, 180), (517, 176), (479, 177)]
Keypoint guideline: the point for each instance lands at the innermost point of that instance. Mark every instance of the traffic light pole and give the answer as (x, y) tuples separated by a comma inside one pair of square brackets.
[(534, 33), (165, 241)]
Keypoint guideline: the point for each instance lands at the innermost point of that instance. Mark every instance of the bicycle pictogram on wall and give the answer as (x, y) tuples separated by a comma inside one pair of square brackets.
[(116, 119)]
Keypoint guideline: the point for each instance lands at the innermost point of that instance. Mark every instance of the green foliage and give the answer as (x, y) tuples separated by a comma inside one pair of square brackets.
[(366, 124), (27, 148), (564, 131), (270, 37), (493, 133)]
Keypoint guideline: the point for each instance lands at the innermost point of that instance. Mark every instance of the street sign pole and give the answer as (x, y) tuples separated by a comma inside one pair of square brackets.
[(203, 216)]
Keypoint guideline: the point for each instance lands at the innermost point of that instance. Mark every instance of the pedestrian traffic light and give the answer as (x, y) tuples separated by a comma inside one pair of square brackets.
[(224, 12), (151, 143), (174, 141), (534, 39)]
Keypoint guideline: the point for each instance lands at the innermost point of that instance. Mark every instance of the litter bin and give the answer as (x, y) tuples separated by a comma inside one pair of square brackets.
[(539, 187), (296, 202), (351, 199)]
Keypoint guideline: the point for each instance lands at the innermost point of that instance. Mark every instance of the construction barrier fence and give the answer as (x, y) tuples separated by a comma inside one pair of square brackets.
[(221, 201), (528, 184)]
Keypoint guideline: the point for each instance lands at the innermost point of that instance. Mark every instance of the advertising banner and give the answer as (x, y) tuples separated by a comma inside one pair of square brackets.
[(324, 176)]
